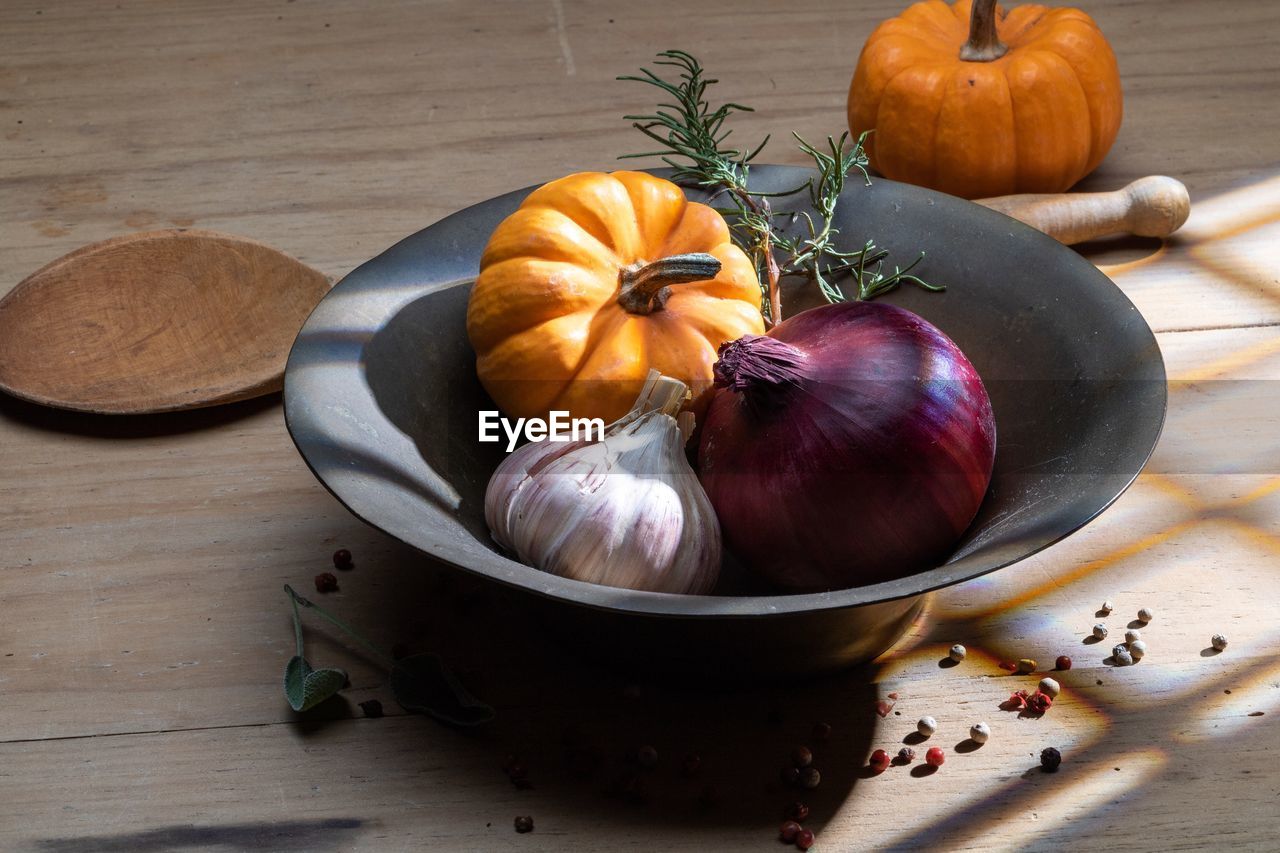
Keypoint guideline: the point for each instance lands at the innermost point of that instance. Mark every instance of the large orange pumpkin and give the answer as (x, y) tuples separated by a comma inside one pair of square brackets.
[(976, 101), (598, 278)]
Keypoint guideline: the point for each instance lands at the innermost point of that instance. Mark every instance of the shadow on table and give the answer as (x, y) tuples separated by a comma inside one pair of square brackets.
[(285, 836), (571, 736), (131, 426)]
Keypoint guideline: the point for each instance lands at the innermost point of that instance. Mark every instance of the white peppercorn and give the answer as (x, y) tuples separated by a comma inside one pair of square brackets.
[(927, 726), (1050, 687), (1137, 649), (1100, 631), (957, 653), (1219, 642), (1107, 607), (1132, 636), (1146, 615), (1122, 656), (980, 732)]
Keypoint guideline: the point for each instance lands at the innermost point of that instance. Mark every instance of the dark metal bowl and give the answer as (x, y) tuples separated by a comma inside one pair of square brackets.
[(381, 398)]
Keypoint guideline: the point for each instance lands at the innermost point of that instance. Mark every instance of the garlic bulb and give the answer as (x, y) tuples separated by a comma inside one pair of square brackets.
[(626, 511)]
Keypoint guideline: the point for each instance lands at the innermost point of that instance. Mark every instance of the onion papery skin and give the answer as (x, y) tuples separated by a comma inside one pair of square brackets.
[(851, 445)]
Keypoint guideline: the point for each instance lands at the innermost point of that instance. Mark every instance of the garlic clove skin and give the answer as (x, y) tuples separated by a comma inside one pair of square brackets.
[(627, 511)]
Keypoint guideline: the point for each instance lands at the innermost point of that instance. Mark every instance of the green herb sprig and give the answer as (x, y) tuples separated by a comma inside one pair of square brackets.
[(420, 683), (692, 136)]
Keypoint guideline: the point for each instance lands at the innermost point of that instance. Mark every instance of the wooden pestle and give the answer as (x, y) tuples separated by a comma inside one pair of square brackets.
[(1154, 206)]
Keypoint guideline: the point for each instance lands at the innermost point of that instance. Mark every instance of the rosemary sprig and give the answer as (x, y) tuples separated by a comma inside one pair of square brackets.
[(692, 137)]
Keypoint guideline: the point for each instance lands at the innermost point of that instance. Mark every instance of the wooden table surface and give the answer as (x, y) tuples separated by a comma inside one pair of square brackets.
[(143, 632)]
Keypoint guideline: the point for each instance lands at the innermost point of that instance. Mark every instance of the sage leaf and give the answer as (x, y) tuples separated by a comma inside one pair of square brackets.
[(423, 684), (306, 688)]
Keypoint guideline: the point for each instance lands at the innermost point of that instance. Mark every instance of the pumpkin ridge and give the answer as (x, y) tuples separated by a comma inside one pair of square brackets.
[(594, 211), (933, 164), (581, 247), (934, 14), (1061, 174), (603, 324), (609, 328)]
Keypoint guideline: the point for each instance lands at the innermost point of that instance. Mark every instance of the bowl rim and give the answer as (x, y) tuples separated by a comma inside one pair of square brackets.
[(299, 418)]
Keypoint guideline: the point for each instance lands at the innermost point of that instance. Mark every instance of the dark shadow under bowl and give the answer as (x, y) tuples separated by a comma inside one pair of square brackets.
[(382, 400)]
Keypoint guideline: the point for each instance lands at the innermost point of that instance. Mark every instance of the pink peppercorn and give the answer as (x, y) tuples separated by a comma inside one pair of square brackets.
[(935, 757), (1063, 662), (797, 811), (789, 831), (1039, 702), (326, 582), (804, 839), (879, 760)]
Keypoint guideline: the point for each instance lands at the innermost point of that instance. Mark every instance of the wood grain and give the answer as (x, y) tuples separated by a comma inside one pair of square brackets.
[(156, 321), (143, 632)]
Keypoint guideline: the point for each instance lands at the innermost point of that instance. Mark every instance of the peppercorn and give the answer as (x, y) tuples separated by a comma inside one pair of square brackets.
[(372, 708), (957, 653), (1100, 631), (804, 839), (879, 760), (1219, 642), (1137, 649), (927, 726), (801, 756), (647, 757), (1107, 607), (342, 559), (1050, 758), (1026, 665), (797, 811), (980, 732), (810, 778), (1017, 701), (789, 776), (1038, 703), (789, 831), (935, 757), (906, 755), (1050, 686), (1121, 656), (326, 582), (691, 765), (821, 732), (1063, 662), (1146, 614), (1132, 636), (524, 823)]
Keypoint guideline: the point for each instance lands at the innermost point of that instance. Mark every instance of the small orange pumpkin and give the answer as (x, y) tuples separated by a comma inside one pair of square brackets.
[(598, 278), (978, 102)]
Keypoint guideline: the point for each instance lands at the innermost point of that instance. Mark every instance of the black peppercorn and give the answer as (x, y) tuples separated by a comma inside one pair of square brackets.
[(524, 823), (1050, 758)]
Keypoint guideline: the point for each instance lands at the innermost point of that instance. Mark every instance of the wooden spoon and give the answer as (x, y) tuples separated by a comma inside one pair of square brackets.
[(1154, 206), (153, 322)]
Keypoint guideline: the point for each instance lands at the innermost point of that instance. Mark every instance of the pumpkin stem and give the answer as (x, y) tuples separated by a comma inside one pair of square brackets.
[(983, 44), (644, 288)]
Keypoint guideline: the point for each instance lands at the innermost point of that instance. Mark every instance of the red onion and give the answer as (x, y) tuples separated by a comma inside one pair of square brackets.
[(851, 445)]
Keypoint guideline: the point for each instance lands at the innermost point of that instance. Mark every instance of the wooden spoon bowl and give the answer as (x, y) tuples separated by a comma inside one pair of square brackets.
[(156, 321)]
